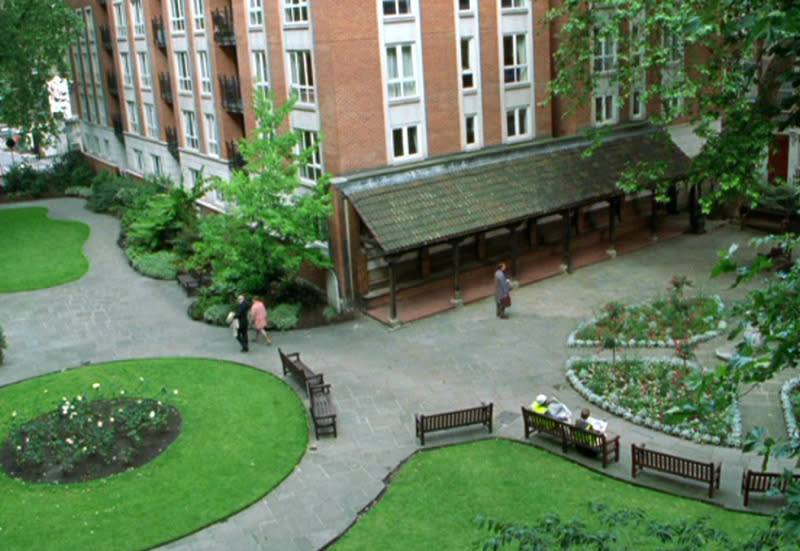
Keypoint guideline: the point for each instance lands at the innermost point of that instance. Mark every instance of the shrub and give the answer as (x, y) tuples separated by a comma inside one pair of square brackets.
[(295, 291), (2, 344), (78, 191), (105, 187), (285, 316), (217, 313), (19, 178), (158, 265)]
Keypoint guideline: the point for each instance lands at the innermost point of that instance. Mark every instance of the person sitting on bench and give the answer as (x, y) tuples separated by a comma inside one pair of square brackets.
[(587, 422), (551, 407)]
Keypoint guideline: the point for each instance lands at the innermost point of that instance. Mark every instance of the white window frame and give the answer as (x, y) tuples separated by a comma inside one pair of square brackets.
[(199, 15), (121, 17), (638, 105), (604, 58), (474, 118), (604, 109), (190, 129), (515, 66), (513, 4), (401, 78), (312, 171), (138, 156), (138, 19), (302, 76), (260, 69), (184, 71), (145, 75), (519, 116), (295, 11), (467, 54), (212, 135), (151, 120), (409, 136), (177, 14), (155, 161), (255, 13), (464, 6), (133, 117), (206, 86), (127, 75), (397, 8)]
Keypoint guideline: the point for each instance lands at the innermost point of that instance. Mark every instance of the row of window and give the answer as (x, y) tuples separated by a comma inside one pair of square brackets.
[(404, 7), (294, 11)]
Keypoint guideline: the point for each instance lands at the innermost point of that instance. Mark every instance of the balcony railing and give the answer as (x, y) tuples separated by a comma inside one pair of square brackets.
[(231, 90), (165, 85), (224, 33), (105, 37), (119, 127), (172, 140), (235, 158), (113, 87), (159, 35)]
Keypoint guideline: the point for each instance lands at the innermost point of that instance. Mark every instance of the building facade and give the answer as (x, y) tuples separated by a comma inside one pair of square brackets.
[(403, 91)]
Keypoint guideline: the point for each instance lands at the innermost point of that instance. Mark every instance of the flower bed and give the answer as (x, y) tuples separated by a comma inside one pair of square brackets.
[(790, 400), (643, 390), (658, 323)]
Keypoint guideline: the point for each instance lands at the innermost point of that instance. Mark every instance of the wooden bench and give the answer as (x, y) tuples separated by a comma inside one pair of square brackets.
[(759, 481), (481, 415), (189, 283), (544, 425), (603, 444), (672, 464), (323, 412), (292, 364)]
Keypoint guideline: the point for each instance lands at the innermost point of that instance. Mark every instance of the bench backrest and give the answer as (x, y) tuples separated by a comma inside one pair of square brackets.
[(672, 463), (542, 422), (759, 481), (587, 438), (462, 417)]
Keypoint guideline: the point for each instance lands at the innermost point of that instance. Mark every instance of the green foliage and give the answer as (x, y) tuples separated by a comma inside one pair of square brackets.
[(217, 313), (19, 178), (3, 344), (78, 191), (158, 265), (295, 290), (108, 193), (285, 316)]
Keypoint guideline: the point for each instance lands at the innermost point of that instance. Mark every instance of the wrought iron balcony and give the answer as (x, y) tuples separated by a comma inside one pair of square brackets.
[(165, 85), (113, 87), (172, 140), (224, 33), (235, 158), (231, 90), (105, 37), (159, 35), (119, 127)]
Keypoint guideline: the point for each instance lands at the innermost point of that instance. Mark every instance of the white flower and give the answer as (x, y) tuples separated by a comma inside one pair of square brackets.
[(99, 424), (96, 386), (111, 419), (175, 391), (13, 414), (152, 414), (69, 441), (141, 379), (80, 398), (122, 392)]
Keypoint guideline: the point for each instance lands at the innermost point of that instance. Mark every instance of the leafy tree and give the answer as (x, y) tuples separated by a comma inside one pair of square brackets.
[(36, 38), (283, 215), (720, 60)]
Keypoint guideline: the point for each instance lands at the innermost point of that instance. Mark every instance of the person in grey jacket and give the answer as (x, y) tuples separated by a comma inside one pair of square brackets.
[(503, 290)]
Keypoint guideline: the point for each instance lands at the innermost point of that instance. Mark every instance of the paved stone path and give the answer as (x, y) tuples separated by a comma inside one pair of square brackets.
[(381, 377)]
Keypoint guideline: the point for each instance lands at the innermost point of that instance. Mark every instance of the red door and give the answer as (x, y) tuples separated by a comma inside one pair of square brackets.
[(779, 159)]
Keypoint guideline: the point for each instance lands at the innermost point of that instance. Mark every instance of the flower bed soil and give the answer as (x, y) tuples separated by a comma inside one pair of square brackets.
[(150, 445)]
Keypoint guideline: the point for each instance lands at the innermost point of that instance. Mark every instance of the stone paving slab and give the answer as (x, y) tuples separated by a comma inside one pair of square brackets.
[(380, 377)]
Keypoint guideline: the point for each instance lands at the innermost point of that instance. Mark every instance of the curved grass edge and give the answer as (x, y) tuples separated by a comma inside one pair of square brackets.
[(574, 342), (44, 213), (733, 440), (260, 487)]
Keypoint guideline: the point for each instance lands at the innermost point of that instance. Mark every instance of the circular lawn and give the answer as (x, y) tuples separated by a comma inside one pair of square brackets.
[(243, 432)]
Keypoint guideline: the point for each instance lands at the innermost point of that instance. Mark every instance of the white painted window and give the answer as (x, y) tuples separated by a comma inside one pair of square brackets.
[(205, 71), (302, 74), (199, 15), (145, 75), (177, 16), (471, 130), (517, 124), (295, 11), (605, 53), (509, 4), (604, 112), (256, 12), (156, 162), (212, 135), (138, 19), (133, 117), (138, 157), (260, 69), (405, 141), (184, 71), (467, 60), (311, 170), (190, 129), (151, 120), (122, 21), (515, 58), (465, 5), (125, 62), (638, 104), (396, 7), (400, 71)]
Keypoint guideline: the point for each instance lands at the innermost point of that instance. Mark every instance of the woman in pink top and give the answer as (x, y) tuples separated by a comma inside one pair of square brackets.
[(259, 314)]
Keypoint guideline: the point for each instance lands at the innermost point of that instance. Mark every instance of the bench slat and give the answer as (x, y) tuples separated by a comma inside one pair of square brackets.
[(673, 464), (760, 481), (453, 419)]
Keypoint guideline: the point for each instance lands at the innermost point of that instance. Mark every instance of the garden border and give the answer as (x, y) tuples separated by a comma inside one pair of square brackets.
[(786, 402), (574, 342), (733, 440)]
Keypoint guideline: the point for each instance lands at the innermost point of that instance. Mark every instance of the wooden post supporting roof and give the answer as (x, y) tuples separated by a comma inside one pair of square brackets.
[(390, 260), (458, 299), (567, 214)]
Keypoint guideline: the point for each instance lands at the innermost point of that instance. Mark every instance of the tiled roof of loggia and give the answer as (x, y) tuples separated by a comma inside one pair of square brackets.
[(426, 206)]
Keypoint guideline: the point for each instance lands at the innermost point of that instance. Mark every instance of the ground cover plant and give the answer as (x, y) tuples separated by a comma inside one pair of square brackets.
[(661, 393), (660, 322), (37, 252), (433, 501), (243, 432)]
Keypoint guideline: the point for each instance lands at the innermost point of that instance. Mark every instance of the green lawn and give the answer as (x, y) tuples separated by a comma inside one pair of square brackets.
[(433, 501), (37, 252), (244, 431)]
